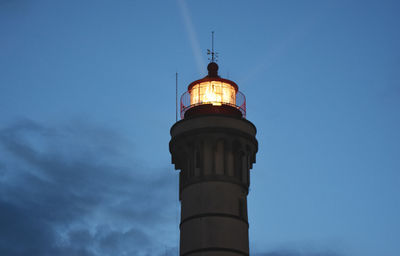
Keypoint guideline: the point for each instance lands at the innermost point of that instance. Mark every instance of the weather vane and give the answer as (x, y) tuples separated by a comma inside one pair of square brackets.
[(214, 55)]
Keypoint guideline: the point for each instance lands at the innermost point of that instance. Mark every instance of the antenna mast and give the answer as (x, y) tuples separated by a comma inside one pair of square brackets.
[(176, 96)]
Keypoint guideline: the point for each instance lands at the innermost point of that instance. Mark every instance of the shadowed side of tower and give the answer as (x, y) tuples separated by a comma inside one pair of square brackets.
[(214, 146)]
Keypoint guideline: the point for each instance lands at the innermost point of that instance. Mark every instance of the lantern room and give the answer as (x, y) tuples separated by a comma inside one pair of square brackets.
[(213, 95)]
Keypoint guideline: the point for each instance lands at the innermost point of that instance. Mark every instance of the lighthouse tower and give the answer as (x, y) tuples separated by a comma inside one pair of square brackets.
[(214, 147)]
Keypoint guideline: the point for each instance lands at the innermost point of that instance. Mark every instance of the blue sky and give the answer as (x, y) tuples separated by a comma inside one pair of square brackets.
[(87, 98)]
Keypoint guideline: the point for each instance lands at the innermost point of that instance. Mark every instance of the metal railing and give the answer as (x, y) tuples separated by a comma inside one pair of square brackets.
[(240, 103)]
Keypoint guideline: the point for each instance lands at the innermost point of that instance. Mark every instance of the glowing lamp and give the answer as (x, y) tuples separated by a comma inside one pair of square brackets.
[(213, 95)]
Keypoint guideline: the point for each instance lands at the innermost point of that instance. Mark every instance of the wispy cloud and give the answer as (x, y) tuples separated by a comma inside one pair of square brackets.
[(75, 190)]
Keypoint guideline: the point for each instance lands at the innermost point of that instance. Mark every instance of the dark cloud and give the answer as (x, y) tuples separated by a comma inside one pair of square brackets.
[(78, 190), (292, 252)]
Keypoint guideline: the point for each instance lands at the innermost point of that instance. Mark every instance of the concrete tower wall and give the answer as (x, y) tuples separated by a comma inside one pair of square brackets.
[(215, 154)]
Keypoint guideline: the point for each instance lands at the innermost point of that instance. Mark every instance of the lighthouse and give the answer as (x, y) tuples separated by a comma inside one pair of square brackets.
[(214, 147)]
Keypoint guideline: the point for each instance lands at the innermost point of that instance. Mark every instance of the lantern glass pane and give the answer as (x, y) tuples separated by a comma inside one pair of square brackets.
[(213, 92)]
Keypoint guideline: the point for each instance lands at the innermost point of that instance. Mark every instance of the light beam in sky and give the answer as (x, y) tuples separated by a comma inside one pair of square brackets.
[(277, 51), (192, 35)]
